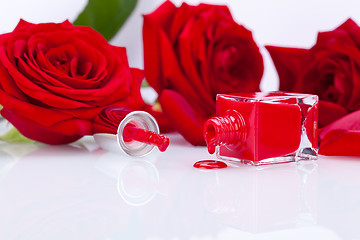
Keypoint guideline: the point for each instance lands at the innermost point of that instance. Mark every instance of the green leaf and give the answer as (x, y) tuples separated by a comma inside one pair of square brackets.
[(145, 84), (14, 136), (106, 16)]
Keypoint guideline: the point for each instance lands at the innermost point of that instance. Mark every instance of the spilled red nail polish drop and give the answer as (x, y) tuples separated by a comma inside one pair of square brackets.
[(210, 164)]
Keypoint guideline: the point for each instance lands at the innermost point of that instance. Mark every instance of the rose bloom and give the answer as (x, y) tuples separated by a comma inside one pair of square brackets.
[(192, 53), (56, 78), (331, 70)]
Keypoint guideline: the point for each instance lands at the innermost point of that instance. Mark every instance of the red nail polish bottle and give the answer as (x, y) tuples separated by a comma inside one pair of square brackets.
[(264, 128), (137, 134)]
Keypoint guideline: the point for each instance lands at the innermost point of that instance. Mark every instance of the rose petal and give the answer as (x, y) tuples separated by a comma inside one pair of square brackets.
[(288, 63), (108, 120), (250, 56), (183, 14), (135, 100), (43, 116), (330, 112), (354, 102), (187, 121), (352, 29), (164, 124), (155, 22), (29, 88), (350, 122), (177, 80), (64, 94), (340, 142), (236, 60), (23, 25), (9, 86), (46, 135), (187, 52), (84, 50), (163, 15), (203, 12)]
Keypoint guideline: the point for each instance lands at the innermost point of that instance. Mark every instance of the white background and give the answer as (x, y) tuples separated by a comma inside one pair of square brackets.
[(278, 22)]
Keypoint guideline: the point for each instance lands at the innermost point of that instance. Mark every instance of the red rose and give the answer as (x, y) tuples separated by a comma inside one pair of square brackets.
[(330, 69), (55, 78), (191, 54)]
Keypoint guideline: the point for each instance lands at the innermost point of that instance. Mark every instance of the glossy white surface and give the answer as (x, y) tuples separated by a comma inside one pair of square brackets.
[(79, 191)]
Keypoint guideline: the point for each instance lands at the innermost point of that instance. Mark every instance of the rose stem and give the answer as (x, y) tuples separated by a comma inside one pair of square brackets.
[(141, 135)]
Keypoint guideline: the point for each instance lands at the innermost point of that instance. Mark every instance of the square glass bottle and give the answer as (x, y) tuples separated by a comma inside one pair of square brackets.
[(264, 128)]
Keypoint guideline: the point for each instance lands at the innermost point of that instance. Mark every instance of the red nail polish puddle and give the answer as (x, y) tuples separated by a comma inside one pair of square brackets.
[(210, 164)]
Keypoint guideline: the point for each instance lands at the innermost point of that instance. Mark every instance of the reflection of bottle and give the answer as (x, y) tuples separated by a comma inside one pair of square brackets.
[(275, 198), (307, 172), (137, 179), (138, 182), (137, 133), (264, 128)]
